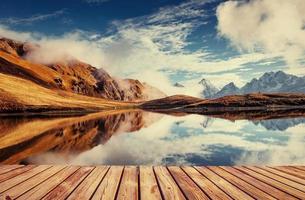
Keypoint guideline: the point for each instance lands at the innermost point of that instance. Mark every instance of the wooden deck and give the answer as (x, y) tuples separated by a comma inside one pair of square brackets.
[(160, 182)]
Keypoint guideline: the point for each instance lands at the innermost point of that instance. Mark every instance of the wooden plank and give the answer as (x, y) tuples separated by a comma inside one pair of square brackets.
[(86, 189), (6, 168), (15, 172), (230, 189), (299, 168), (168, 186), (290, 190), (276, 193), (292, 171), (285, 175), (45, 187), (63, 190), (107, 189), (278, 178), (23, 187), (22, 177), (189, 188), (246, 187), (148, 184), (129, 184), (206, 185)]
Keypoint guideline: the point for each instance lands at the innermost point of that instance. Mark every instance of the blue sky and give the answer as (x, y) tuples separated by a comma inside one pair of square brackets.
[(166, 41)]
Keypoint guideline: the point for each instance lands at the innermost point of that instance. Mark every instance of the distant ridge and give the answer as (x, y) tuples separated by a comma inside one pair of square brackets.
[(269, 82)]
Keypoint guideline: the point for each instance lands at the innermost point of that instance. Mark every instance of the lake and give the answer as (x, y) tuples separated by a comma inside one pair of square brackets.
[(136, 137)]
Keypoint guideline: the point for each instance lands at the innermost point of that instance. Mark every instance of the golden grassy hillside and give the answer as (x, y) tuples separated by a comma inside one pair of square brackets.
[(17, 94)]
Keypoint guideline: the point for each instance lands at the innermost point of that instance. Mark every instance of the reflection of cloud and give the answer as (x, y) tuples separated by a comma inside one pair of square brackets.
[(158, 143), (223, 142), (293, 153)]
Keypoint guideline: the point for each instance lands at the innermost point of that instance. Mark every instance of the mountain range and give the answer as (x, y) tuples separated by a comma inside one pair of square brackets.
[(269, 82), (68, 83)]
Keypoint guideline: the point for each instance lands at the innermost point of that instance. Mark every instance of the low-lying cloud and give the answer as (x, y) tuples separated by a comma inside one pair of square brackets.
[(142, 47), (269, 26)]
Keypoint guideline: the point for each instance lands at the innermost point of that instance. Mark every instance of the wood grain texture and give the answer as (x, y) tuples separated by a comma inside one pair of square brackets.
[(275, 192), (290, 170), (206, 185), (15, 172), (169, 188), (151, 183), (7, 168), (279, 178), (22, 177), (285, 175), (108, 188), (246, 187), (63, 190), (26, 185), (129, 184), (48, 185), (230, 189), (148, 184), (86, 189), (290, 190), (189, 188)]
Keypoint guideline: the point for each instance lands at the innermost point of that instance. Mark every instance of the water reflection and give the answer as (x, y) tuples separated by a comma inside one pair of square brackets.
[(138, 137)]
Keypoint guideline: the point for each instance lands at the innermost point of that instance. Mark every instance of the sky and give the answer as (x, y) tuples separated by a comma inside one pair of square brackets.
[(162, 42)]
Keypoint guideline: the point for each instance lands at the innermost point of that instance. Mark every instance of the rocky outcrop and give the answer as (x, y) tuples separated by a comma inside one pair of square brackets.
[(70, 75)]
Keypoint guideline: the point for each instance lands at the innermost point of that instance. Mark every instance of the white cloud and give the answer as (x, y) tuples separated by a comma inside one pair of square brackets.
[(268, 26), (140, 47), (31, 19)]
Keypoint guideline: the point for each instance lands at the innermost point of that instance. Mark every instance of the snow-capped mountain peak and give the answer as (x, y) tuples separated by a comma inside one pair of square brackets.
[(209, 90), (271, 82)]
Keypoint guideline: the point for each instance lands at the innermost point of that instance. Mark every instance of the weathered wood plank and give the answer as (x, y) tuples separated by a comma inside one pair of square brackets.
[(290, 190), (129, 184), (299, 168), (22, 177), (230, 189), (285, 175), (107, 189), (23, 187), (206, 185), (292, 171), (278, 178), (168, 186), (86, 189), (160, 182), (276, 193), (148, 184), (189, 188), (7, 168), (45, 187), (63, 190), (15, 172), (246, 187)]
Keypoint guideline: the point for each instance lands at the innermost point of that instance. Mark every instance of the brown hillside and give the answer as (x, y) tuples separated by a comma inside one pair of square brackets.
[(69, 75)]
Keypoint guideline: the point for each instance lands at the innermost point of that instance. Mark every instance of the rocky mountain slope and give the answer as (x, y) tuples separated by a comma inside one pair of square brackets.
[(61, 77), (270, 82)]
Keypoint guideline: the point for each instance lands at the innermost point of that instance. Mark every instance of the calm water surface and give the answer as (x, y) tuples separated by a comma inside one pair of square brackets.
[(138, 137)]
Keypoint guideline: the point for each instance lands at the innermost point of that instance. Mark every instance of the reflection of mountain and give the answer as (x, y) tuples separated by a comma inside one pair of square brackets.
[(22, 138), (206, 122), (280, 124)]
